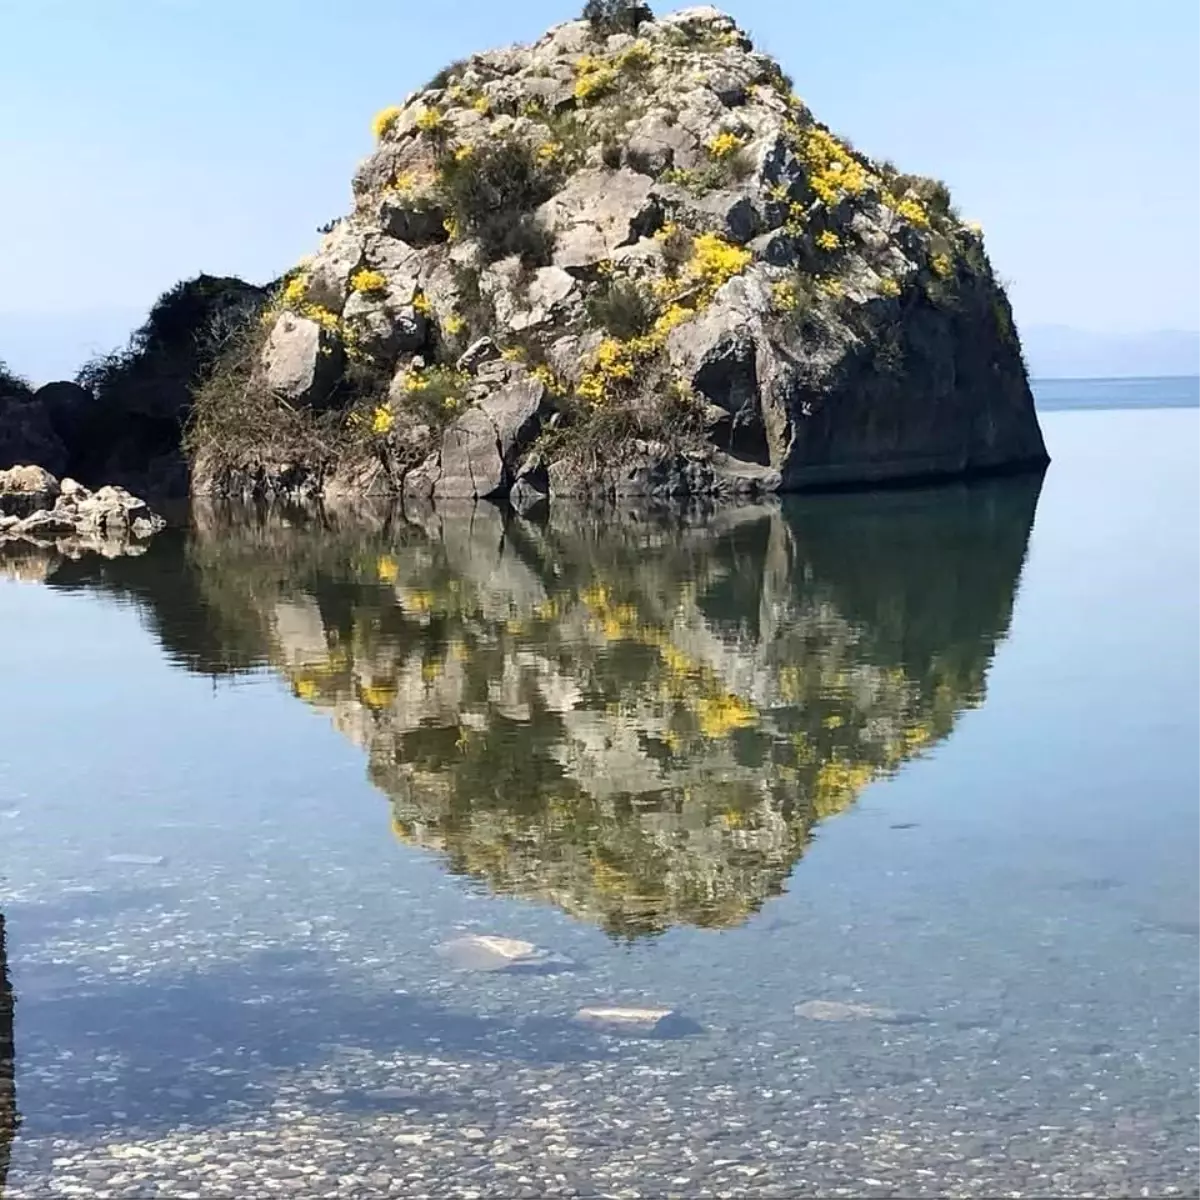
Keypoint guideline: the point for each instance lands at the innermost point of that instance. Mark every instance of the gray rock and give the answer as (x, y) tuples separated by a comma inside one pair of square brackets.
[(416, 224), (637, 1022), (44, 524), (480, 351), (516, 410), (329, 275), (383, 330), (835, 1010), (471, 463), (25, 489), (491, 953), (301, 360), (598, 211)]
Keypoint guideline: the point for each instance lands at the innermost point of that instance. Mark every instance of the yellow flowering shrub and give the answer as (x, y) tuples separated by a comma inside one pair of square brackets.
[(828, 240), (778, 192), (463, 152), (593, 78), (635, 58), (724, 144), (832, 288), (941, 266), (714, 262), (295, 291), (382, 420), (429, 120), (452, 227), (909, 208), (421, 305), (784, 297), (368, 281), (384, 121), (833, 171), (888, 287), (482, 105), (454, 325), (549, 152)]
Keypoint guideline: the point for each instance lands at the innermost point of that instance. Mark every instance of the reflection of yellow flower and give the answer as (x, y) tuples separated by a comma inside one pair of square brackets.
[(377, 695), (721, 715), (306, 689), (387, 568)]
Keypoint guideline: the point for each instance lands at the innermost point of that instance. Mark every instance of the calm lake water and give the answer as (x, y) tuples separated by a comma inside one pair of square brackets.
[(929, 757)]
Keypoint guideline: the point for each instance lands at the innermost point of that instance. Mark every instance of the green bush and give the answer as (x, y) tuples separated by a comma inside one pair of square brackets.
[(621, 309), (615, 16), (491, 195), (13, 387)]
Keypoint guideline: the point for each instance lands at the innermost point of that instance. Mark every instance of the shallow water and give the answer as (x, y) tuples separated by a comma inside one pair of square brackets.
[(930, 755)]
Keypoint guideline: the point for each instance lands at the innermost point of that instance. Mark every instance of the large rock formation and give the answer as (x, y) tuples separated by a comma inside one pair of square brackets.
[(633, 262)]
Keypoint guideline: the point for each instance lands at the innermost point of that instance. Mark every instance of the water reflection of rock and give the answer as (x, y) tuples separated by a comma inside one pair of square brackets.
[(639, 721), (8, 1089)]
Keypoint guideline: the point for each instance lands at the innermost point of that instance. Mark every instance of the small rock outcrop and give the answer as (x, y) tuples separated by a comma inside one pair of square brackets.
[(36, 507), (122, 420), (633, 263)]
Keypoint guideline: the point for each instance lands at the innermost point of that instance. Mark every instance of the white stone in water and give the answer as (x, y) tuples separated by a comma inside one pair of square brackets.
[(137, 860), (636, 1022), (835, 1010), (489, 952)]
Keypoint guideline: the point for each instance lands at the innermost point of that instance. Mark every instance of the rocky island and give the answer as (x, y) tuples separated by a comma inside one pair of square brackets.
[(625, 259)]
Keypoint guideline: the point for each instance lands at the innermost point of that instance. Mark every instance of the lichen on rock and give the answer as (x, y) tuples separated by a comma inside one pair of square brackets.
[(645, 221)]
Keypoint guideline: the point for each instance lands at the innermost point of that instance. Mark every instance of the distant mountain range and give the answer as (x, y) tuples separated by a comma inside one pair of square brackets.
[(45, 346), (1062, 352)]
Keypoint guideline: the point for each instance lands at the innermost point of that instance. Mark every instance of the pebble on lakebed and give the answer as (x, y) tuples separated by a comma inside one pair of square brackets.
[(638, 1022), (835, 1010), (489, 952)]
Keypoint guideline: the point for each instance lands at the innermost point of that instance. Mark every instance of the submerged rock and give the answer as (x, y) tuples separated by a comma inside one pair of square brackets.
[(835, 1010), (488, 952), (708, 291), (638, 1022)]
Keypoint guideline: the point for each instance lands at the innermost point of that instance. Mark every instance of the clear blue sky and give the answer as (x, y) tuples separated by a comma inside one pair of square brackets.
[(143, 141)]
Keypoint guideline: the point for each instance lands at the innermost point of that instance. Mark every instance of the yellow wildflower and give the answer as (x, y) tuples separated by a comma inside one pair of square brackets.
[(888, 287), (724, 144), (784, 297), (421, 304), (385, 121), (382, 420), (941, 266), (295, 291), (368, 281), (454, 324), (828, 240), (482, 105), (429, 120)]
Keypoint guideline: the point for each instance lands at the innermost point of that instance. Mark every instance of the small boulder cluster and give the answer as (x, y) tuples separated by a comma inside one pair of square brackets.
[(36, 507)]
